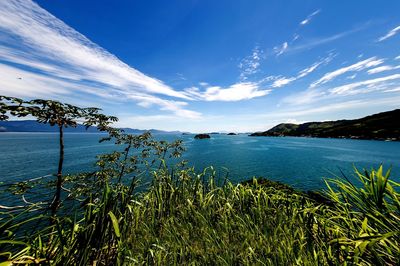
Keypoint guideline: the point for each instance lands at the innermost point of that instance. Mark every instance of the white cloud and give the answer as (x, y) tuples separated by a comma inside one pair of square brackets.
[(282, 82), (27, 84), (381, 69), (309, 17), (397, 58), (391, 33), (54, 57), (308, 70), (235, 92), (250, 64), (21, 83), (176, 107), (365, 64), (281, 49), (314, 66), (348, 88)]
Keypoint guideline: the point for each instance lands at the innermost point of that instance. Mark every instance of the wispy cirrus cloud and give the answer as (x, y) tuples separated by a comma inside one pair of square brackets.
[(309, 17), (317, 64), (382, 69), (349, 88), (390, 34), (365, 64), (278, 50), (393, 90), (314, 42), (283, 81), (315, 93), (52, 58)]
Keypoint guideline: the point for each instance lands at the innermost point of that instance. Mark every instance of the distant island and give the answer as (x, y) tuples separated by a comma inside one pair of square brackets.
[(202, 136), (381, 126), (231, 134), (34, 126)]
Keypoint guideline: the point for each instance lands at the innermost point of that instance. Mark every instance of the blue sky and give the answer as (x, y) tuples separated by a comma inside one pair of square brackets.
[(202, 66)]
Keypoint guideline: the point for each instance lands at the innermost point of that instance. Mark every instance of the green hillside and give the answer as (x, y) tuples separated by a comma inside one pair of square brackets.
[(381, 126)]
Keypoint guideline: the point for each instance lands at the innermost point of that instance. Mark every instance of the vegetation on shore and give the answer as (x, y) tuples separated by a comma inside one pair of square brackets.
[(112, 217), (382, 126)]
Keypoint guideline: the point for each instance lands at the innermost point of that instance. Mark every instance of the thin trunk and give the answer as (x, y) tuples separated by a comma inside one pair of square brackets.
[(121, 174), (57, 197)]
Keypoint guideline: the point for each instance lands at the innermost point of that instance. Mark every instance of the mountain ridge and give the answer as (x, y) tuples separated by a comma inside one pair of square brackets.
[(34, 126)]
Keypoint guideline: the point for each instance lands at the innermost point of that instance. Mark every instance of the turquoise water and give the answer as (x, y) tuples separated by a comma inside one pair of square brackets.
[(300, 162)]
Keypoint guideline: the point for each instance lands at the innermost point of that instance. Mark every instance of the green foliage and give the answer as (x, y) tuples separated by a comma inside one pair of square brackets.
[(184, 217), (61, 115), (371, 233)]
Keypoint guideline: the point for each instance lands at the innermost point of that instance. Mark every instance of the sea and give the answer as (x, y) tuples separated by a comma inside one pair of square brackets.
[(303, 163)]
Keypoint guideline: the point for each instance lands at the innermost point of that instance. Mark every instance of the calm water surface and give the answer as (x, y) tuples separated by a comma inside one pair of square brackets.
[(300, 162)]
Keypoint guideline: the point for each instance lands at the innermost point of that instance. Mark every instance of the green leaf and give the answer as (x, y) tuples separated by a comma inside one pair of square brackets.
[(115, 223), (13, 242), (364, 224)]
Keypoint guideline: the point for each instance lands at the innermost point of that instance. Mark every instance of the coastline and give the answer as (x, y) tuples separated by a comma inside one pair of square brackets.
[(320, 137)]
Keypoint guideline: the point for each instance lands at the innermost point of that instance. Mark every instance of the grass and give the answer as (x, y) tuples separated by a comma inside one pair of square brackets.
[(185, 218), (107, 217)]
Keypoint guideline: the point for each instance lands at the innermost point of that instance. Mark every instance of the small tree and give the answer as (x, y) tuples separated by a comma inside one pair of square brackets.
[(57, 114)]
